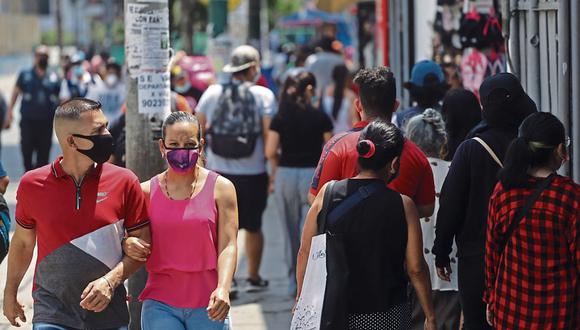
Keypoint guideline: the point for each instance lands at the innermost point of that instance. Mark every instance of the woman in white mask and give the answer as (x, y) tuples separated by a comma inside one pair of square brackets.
[(110, 92)]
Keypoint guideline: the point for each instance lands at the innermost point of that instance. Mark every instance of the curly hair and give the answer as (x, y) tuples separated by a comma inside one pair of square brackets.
[(427, 131)]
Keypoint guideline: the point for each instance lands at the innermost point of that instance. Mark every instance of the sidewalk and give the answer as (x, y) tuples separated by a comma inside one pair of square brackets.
[(269, 310)]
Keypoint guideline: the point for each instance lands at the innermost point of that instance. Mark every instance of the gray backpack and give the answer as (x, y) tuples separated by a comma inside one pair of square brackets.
[(236, 124)]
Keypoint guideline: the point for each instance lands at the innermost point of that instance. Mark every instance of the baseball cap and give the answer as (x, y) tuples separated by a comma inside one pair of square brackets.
[(424, 69), (242, 58), (504, 100)]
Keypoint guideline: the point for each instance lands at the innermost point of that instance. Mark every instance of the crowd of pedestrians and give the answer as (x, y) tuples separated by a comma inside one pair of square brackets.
[(446, 214)]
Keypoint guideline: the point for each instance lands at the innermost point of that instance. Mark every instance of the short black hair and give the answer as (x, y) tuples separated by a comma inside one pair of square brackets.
[(74, 108), (377, 91), (388, 143), (113, 66)]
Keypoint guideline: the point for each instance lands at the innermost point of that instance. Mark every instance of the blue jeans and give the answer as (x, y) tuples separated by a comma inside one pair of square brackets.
[(48, 326), (291, 195), (157, 315)]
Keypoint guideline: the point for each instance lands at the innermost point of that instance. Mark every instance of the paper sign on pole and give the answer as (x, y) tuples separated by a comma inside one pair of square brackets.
[(154, 94), (155, 41), (135, 18)]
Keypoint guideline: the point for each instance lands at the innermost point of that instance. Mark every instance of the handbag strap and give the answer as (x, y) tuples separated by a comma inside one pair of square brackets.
[(521, 213), (323, 215), (353, 200), (346, 205), (489, 151)]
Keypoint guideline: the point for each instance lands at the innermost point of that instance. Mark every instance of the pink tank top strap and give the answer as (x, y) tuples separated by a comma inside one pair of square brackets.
[(154, 188), (206, 195)]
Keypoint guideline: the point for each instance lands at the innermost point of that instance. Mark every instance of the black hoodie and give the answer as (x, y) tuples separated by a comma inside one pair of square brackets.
[(463, 204)]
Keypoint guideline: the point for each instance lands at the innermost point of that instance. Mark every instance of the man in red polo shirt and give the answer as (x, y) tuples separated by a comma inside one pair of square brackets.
[(377, 100), (79, 210)]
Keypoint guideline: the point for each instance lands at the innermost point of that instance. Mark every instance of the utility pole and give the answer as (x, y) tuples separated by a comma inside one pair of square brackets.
[(146, 39), (254, 23), (59, 26)]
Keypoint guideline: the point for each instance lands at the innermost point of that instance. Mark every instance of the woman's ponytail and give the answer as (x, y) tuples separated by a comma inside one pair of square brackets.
[(516, 164)]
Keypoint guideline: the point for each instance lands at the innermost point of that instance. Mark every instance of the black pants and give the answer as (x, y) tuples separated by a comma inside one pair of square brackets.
[(471, 277), (35, 137)]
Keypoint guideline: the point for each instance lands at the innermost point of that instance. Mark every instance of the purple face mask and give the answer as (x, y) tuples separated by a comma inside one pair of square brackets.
[(182, 160)]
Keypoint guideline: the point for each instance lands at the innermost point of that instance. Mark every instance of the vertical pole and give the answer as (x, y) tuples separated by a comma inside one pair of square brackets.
[(264, 33), (254, 24), (563, 109), (59, 26), (143, 156), (514, 37), (575, 90), (533, 55), (109, 18)]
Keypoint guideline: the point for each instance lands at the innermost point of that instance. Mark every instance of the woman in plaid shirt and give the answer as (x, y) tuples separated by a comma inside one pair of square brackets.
[(532, 275)]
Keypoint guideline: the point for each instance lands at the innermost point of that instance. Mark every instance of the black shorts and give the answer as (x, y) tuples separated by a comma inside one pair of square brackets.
[(252, 192)]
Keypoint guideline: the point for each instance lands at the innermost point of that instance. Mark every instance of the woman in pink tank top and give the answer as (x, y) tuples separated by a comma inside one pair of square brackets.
[(194, 225)]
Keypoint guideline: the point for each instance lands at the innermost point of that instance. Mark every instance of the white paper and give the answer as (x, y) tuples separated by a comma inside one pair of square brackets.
[(154, 94), (155, 41), (134, 37)]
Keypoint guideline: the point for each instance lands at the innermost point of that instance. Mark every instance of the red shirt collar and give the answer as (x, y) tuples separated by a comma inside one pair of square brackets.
[(59, 172), (361, 124)]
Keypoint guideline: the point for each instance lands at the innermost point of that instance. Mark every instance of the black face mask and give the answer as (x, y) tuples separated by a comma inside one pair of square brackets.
[(43, 63), (102, 149)]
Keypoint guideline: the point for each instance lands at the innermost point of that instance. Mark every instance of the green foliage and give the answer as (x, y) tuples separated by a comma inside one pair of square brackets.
[(50, 38), (281, 8)]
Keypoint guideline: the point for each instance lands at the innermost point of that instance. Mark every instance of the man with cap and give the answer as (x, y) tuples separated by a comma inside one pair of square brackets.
[(39, 89), (427, 88), (466, 191), (236, 116)]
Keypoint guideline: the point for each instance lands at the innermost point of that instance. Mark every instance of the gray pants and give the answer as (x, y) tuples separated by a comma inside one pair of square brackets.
[(291, 195)]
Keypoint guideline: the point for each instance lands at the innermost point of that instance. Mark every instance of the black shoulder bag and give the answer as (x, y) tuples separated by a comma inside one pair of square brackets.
[(334, 310)]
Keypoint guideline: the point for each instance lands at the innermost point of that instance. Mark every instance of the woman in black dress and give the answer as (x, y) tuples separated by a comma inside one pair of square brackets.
[(382, 238)]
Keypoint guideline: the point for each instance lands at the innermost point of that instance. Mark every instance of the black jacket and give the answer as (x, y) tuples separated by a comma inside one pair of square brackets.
[(464, 199)]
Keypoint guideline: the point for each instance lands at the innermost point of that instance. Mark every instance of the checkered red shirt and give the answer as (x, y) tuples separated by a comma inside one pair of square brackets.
[(534, 283)]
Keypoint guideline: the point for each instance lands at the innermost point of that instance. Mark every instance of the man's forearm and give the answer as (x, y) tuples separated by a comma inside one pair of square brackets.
[(128, 266), (19, 260), (123, 271)]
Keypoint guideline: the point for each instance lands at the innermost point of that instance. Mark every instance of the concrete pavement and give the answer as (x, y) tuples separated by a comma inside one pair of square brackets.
[(256, 311)]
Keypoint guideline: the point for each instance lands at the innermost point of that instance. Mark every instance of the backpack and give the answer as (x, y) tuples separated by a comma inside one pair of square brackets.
[(236, 124), (5, 224)]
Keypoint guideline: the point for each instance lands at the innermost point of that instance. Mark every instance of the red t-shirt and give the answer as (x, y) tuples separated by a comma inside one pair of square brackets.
[(109, 196), (339, 161), (79, 229)]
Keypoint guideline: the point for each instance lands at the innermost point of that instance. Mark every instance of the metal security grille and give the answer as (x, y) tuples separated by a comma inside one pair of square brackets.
[(401, 53), (544, 39)]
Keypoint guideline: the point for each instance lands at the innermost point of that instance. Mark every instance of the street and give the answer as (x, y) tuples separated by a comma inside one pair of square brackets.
[(255, 311)]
